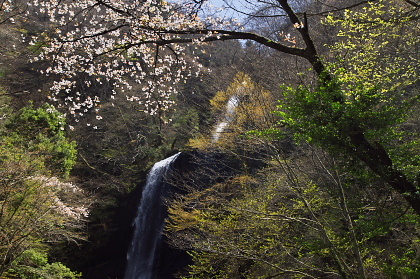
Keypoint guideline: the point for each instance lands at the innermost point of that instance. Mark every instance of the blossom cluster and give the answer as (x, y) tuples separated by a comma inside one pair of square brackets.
[(54, 188), (6, 6), (122, 43)]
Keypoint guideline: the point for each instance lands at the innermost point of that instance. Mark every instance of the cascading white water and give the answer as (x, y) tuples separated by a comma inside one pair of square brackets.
[(230, 112), (149, 223)]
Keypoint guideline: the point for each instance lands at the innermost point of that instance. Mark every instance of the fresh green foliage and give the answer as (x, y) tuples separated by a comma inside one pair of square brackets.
[(405, 266), (42, 131), (362, 101), (377, 46), (281, 223), (33, 264), (35, 207), (327, 116)]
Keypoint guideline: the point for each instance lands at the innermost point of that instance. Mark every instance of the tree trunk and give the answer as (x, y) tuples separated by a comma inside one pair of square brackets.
[(379, 162)]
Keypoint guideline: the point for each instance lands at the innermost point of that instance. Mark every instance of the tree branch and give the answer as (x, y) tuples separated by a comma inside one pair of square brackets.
[(412, 3)]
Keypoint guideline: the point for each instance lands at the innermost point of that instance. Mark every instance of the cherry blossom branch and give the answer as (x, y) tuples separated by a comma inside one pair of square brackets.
[(221, 35), (107, 31), (118, 42)]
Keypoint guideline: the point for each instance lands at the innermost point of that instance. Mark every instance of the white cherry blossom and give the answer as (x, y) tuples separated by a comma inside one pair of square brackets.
[(122, 43)]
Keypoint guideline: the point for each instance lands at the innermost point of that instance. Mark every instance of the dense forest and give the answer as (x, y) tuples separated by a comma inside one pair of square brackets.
[(312, 105)]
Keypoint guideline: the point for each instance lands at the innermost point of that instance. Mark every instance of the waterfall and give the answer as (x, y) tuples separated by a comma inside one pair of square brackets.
[(149, 223), (230, 112)]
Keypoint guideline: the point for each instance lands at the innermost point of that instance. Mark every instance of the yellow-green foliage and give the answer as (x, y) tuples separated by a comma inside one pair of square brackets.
[(200, 141), (253, 112), (284, 225), (255, 104), (378, 45)]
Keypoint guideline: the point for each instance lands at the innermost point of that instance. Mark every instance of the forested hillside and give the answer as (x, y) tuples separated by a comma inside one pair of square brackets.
[(313, 103)]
